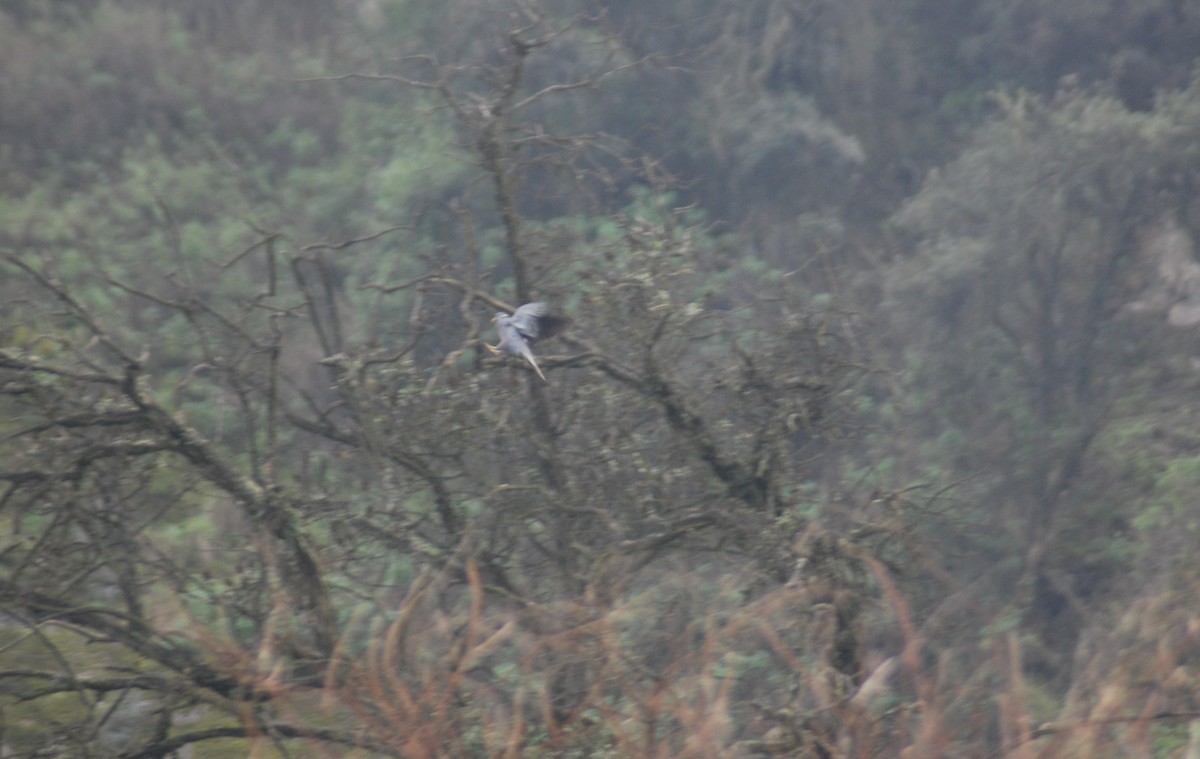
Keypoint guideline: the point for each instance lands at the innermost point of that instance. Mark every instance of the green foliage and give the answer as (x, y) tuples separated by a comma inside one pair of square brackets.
[(771, 147), (253, 451), (1013, 316), (1170, 506)]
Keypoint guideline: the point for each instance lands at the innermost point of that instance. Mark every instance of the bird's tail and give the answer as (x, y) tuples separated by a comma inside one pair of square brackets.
[(534, 364)]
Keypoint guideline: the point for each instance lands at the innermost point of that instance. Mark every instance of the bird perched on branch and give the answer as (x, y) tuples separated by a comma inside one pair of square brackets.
[(518, 332)]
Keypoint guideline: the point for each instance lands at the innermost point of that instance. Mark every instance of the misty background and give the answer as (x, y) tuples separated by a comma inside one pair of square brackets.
[(874, 433)]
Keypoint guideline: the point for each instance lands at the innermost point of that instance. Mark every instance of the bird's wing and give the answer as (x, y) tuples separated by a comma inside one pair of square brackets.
[(527, 319)]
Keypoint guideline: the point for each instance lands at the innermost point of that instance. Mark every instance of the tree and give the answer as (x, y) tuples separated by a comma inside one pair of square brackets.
[(1015, 314), (229, 506)]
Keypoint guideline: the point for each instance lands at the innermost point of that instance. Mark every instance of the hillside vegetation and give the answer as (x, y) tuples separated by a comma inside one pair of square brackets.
[(875, 431)]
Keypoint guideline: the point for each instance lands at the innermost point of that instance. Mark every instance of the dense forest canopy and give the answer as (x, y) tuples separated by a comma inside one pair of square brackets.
[(872, 433)]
